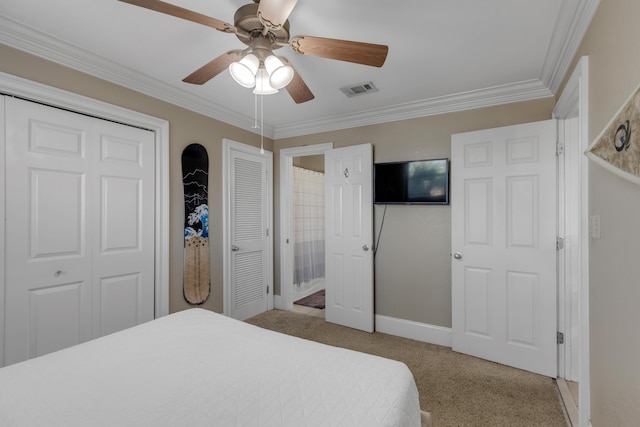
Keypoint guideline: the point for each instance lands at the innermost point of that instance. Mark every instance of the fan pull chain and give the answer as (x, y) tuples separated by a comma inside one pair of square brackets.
[(261, 124), (255, 112)]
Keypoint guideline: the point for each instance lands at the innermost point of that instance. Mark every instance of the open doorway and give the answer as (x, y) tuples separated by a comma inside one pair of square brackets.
[(302, 229), (307, 199)]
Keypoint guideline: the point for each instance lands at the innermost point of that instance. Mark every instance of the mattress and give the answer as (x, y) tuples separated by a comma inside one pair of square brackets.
[(198, 368)]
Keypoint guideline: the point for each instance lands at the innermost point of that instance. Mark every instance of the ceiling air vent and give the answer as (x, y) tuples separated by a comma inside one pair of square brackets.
[(359, 89)]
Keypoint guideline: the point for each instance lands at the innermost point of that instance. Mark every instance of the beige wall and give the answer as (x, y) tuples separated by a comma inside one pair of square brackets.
[(184, 127), (314, 163), (614, 271), (413, 278)]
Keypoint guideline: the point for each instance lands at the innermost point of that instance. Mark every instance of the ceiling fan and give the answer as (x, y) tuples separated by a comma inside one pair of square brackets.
[(263, 26)]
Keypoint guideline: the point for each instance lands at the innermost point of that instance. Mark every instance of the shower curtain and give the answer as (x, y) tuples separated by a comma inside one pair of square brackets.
[(308, 219)]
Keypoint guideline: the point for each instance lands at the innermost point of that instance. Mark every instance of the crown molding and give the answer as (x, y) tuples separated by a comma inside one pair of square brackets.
[(573, 21), (572, 24), (37, 43), (490, 97)]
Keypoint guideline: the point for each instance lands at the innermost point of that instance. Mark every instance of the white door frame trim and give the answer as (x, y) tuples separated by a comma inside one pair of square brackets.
[(227, 146), (37, 92), (284, 300), (575, 97), (2, 228)]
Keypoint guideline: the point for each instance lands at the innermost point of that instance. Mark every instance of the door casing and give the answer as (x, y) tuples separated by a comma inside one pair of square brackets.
[(574, 101)]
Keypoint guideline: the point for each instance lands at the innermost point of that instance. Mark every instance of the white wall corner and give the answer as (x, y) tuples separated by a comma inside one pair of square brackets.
[(423, 332)]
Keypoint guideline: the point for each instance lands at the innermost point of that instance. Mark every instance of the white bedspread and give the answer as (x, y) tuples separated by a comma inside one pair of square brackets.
[(197, 368)]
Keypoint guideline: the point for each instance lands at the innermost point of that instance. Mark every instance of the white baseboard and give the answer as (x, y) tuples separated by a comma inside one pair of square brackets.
[(423, 332), (414, 330)]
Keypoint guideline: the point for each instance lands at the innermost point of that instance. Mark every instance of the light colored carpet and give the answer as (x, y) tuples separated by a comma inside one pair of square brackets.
[(458, 390)]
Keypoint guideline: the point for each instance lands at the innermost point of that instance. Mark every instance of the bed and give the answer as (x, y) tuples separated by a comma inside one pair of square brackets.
[(198, 368)]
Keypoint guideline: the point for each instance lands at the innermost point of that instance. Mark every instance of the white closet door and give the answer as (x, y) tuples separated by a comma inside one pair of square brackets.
[(79, 228), (249, 225)]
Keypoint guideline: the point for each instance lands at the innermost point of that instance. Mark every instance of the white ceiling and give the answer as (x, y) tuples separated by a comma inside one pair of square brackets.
[(444, 55)]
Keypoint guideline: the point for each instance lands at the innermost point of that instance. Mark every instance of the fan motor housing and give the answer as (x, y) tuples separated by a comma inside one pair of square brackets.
[(246, 19)]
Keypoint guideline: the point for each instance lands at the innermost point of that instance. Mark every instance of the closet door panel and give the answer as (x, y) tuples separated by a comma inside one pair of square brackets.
[(56, 213), (48, 295), (79, 228), (124, 239)]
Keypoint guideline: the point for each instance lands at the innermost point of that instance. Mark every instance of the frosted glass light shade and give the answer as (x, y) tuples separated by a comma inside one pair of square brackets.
[(244, 71), (280, 75), (262, 83)]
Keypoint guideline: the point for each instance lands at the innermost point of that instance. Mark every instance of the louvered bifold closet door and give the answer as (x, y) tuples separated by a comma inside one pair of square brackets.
[(248, 235)]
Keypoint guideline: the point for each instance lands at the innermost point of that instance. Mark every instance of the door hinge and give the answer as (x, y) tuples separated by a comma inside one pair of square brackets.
[(267, 232), (560, 338), (559, 148), (559, 243), (267, 290)]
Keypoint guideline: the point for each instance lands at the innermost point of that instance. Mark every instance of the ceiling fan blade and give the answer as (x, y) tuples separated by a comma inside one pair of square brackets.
[(297, 88), (342, 50), (213, 68), (274, 13), (179, 12)]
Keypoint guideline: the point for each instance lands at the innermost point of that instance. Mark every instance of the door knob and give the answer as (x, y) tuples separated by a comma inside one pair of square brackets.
[(365, 247), (457, 256), (234, 248)]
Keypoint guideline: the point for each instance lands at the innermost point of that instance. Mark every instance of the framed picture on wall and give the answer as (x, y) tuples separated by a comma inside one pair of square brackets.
[(617, 147)]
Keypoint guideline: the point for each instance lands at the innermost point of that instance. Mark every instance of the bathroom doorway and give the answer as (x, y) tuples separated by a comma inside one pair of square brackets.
[(298, 280), (308, 233)]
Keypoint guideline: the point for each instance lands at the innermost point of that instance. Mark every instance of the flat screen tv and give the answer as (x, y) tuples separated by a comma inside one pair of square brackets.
[(422, 182)]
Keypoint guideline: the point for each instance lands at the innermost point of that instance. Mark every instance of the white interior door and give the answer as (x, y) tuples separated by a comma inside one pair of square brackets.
[(249, 249), (349, 237), (79, 228), (503, 206)]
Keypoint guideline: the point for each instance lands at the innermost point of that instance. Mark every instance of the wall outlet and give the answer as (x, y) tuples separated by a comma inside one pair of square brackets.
[(594, 226)]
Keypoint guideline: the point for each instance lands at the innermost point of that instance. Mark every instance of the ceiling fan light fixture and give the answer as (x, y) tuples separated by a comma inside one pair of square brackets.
[(280, 75), (244, 71), (263, 87)]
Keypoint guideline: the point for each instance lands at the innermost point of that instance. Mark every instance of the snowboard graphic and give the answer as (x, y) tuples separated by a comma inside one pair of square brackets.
[(195, 179)]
